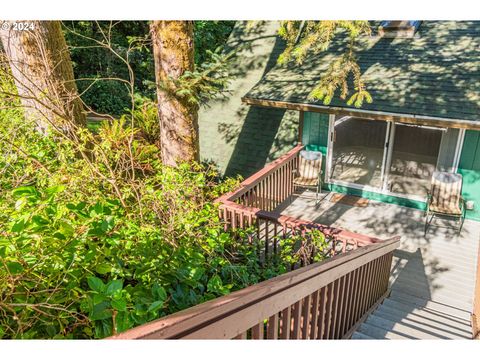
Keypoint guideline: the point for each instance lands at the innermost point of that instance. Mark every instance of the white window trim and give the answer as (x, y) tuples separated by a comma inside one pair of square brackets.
[(458, 150), (331, 134)]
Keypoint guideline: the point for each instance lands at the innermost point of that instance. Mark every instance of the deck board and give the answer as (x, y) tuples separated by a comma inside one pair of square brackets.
[(436, 270)]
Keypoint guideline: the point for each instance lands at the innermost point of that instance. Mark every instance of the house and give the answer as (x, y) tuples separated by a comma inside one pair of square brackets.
[(424, 80), (424, 115), (386, 278), (237, 137)]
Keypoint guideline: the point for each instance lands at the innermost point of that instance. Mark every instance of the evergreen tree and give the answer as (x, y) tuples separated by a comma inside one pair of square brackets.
[(304, 37)]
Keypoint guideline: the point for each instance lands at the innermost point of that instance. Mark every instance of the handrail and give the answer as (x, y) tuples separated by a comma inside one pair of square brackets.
[(476, 302), (256, 199), (259, 175), (329, 231), (322, 300)]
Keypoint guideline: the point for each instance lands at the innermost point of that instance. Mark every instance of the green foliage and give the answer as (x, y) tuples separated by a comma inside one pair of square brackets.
[(99, 71), (145, 117), (209, 36), (304, 37), (208, 81), (105, 96), (97, 236)]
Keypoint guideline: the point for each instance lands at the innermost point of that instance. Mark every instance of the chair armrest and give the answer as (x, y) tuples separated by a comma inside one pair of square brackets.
[(463, 204), (429, 197), (427, 201)]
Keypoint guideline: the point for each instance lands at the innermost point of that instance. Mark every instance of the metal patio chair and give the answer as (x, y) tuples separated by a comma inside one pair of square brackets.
[(445, 198), (308, 173)]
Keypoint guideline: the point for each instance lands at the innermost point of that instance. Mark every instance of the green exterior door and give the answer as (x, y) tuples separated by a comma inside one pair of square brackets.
[(315, 135)]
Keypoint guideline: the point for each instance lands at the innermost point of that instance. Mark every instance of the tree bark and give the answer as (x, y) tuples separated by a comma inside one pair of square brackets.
[(173, 49), (42, 69)]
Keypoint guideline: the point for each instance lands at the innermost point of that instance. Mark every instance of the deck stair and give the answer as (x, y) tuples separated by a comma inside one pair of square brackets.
[(399, 317), (426, 302)]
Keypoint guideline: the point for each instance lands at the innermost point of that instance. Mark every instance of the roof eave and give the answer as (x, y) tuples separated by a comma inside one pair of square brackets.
[(376, 115)]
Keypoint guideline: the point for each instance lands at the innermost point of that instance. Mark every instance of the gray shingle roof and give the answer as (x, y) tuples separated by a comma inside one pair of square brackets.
[(434, 74)]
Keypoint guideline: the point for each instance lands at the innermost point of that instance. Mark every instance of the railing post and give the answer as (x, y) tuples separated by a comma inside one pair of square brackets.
[(476, 303)]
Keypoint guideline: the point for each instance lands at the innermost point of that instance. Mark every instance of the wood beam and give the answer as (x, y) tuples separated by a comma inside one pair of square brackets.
[(373, 115)]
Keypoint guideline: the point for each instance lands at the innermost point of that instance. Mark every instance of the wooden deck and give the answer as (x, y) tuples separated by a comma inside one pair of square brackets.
[(344, 296), (433, 276)]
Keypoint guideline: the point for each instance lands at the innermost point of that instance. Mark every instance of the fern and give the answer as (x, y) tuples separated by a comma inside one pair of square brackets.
[(208, 81), (307, 37)]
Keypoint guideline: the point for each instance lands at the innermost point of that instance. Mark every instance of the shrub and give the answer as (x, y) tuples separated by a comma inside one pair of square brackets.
[(98, 236), (105, 96)]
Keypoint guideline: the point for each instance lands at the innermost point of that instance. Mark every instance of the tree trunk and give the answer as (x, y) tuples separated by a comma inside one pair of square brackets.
[(174, 55), (41, 67)]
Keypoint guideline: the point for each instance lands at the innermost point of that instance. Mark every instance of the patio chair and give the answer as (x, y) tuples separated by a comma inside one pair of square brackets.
[(308, 173), (445, 198)]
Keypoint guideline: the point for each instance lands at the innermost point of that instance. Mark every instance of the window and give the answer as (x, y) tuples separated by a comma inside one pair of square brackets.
[(398, 28)]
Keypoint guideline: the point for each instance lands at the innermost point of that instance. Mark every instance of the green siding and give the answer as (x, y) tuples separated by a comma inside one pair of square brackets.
[(315, 131), (315, 134), (237, 138), (469, 167), (389, 199)]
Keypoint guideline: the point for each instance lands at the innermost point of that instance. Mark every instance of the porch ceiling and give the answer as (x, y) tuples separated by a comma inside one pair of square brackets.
[(430, 78)]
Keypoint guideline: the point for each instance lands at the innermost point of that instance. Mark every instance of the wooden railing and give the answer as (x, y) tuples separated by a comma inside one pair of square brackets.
[(254, 202), (270, 186), (476, 303), (264, 190), (325, 300), (322, 300)]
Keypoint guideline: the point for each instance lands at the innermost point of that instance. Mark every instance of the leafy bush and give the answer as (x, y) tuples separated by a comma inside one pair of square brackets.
[(98, 236), (145, 117), (105, 96), (73, 269)]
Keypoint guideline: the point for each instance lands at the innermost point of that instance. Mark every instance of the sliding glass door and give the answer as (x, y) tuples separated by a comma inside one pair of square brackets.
[(392, 158), (414, 159), (358, 151)]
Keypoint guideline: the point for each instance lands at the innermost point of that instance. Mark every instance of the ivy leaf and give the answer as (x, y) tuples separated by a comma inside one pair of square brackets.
[(103, 328), (55, 189), (155, 306), (122, 321), (96, 284), (18, 226), (119, 304), (98, 298), (24, 190), (159, 292), (101, 311), (215, 285), (114, 286), (103, 268), (66, 229)]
